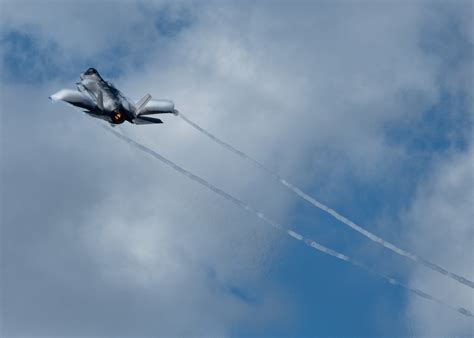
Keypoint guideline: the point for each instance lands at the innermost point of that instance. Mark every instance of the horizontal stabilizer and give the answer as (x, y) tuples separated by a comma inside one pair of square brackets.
[(146, 120)]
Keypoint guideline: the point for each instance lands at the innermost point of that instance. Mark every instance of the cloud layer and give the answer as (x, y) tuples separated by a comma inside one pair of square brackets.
[(99, 240)]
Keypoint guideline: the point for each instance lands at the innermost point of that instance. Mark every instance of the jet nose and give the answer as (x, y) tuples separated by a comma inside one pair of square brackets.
[(82, 76)]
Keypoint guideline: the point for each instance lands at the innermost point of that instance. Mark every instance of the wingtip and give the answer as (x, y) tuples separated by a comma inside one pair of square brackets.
[(56, 96)]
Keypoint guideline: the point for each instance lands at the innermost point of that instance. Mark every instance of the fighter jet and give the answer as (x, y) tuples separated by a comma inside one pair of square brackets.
[(100, 99)]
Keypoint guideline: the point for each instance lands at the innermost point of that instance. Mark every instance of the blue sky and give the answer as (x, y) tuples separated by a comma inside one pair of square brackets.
[(368, 107)]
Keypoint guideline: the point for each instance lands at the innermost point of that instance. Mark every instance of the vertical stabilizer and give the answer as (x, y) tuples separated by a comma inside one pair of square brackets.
[(140, 105), (100, 100)]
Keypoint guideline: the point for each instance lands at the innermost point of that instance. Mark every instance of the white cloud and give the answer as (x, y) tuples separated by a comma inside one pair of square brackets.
[(441, 228), (288, 84), (86, 28)]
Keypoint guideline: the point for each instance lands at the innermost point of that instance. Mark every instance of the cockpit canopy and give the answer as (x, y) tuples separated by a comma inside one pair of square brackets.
[(91, 71)]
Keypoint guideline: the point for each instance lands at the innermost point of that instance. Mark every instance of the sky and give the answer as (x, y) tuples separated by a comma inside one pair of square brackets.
[(368, 106)]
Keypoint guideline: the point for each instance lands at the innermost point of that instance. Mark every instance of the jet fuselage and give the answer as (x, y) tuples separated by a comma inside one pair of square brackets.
[(114, 107), (100, 99)]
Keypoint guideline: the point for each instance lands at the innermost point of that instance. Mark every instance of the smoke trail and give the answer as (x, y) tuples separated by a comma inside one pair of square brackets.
[(290, 232), (330, 211)]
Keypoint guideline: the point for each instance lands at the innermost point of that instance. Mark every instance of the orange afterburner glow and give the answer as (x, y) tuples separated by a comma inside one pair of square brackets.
[(118, 117)]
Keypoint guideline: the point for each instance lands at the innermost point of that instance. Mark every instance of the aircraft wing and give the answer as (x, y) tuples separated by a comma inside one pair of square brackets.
[(75, 98), (149, 106), (146, 120)]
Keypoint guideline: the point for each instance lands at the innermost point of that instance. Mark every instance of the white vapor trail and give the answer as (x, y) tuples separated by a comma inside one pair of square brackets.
[(290, 232), (332, 212)]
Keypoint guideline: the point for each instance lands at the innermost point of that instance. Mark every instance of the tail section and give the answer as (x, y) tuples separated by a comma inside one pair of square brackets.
[(141, 104), (146, 120)]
